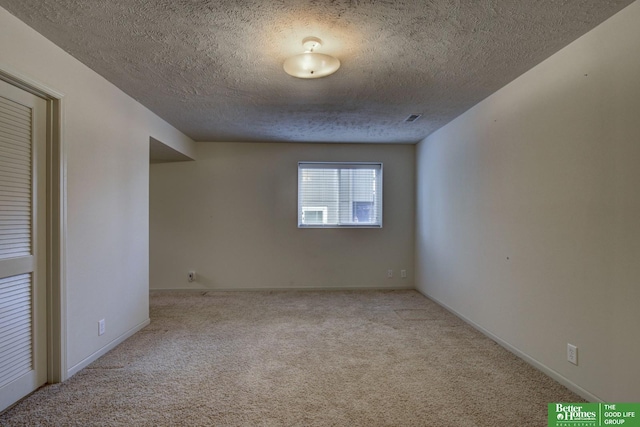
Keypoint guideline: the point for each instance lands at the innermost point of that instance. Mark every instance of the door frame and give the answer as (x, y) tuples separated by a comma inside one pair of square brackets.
[(56, 221)]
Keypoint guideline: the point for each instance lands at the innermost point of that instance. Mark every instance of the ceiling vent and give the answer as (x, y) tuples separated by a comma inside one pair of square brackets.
[(413, 118)]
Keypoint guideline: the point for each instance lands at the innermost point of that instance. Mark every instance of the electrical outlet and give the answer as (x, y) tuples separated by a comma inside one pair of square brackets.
[(192, 276), (403, 274), (389, 274), (572, 353), (101, 327)]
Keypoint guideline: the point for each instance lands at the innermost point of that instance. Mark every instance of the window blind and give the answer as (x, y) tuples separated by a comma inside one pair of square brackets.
[(339, 194)]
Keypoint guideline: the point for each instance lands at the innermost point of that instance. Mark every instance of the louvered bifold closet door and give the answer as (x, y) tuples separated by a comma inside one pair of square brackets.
[(16, 353), (15, 333), (15, 179), (23, 243)]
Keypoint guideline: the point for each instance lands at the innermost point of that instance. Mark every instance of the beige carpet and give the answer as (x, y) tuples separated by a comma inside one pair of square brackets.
[(334, 358)]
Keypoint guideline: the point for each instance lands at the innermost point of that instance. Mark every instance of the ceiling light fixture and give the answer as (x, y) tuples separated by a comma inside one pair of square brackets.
[(310, 64)]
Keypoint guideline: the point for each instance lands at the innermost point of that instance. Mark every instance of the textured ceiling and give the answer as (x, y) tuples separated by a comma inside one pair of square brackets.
[(213, 68)]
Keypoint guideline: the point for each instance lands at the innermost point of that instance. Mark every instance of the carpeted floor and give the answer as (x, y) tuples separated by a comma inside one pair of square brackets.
[(299, 358)]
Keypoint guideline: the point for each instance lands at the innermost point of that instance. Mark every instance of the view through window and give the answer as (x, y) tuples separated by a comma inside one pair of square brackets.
[(339, 194)]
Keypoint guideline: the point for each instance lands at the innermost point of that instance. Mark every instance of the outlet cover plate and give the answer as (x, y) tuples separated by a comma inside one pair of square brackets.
[(572, 353)]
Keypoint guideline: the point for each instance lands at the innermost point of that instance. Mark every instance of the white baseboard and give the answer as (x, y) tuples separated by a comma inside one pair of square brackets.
[(530, 360), (104, 350), (303, 288)]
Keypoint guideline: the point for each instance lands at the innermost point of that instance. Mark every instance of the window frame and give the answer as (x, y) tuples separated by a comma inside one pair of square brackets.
[(342, 165)]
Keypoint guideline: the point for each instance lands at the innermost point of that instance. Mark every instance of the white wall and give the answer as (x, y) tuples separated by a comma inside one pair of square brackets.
[(106, 138), (232, 216), (528, 212)]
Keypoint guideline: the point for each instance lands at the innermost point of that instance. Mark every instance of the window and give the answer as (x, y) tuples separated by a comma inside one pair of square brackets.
[(314, 214), (339, 194)]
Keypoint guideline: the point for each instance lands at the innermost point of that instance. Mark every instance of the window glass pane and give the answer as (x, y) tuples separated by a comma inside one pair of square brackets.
[(339, 194), (363, 212)]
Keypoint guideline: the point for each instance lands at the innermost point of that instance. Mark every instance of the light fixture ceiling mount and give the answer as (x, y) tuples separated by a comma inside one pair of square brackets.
[(310, 64)]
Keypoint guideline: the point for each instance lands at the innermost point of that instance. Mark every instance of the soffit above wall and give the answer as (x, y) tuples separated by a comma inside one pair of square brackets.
[(162, 153)]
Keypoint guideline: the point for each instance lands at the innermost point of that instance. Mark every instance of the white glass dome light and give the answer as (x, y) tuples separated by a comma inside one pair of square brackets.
[(310, 64)]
